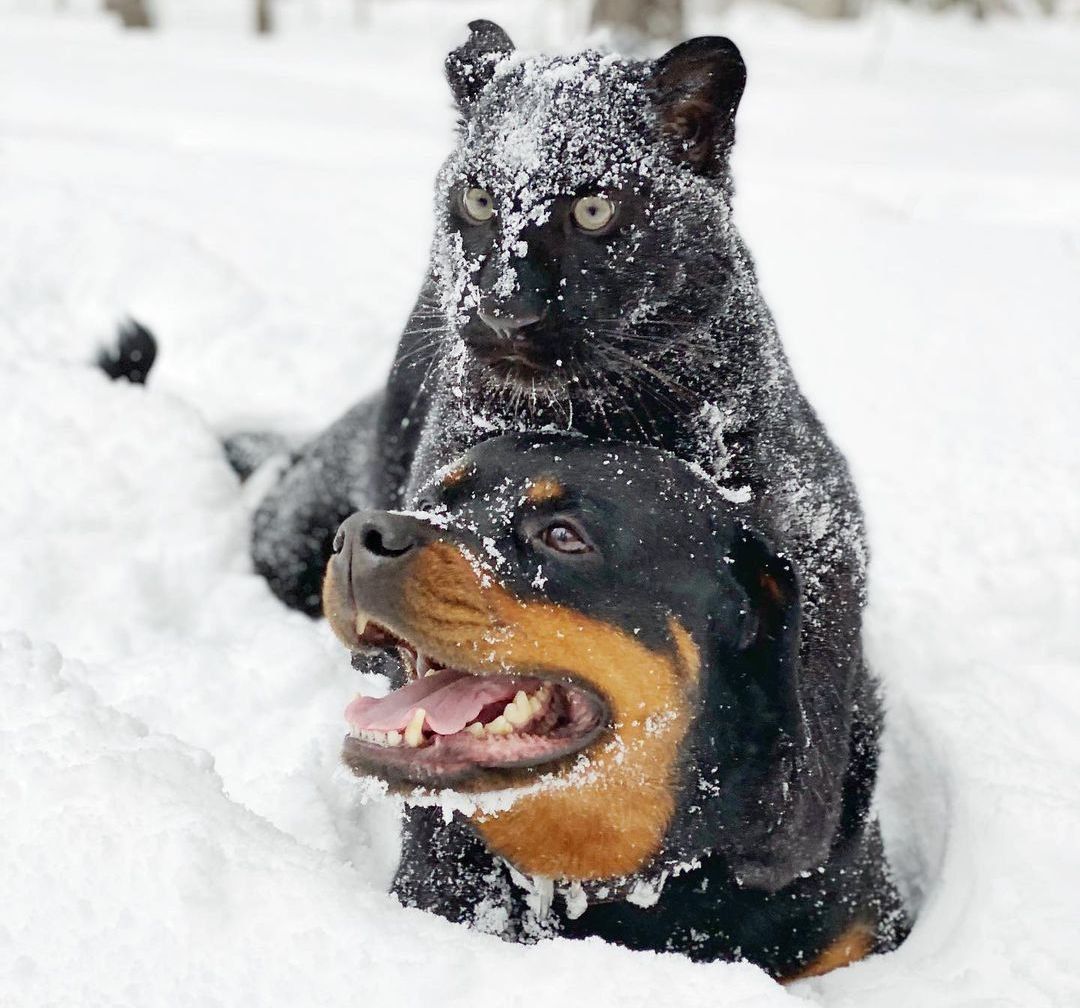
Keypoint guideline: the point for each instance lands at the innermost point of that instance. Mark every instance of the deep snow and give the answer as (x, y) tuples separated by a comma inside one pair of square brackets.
[(175, 827)]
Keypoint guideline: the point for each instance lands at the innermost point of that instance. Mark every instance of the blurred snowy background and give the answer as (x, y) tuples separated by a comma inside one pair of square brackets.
[(174, 828)]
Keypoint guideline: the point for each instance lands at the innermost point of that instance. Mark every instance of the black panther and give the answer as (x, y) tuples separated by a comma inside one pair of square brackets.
[(590, 621)]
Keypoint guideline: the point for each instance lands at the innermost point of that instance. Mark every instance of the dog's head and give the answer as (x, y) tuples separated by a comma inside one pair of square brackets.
[(592, 615), (583, 216)]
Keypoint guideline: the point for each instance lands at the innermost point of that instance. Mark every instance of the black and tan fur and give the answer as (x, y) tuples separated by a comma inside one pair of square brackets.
[(688, 624)]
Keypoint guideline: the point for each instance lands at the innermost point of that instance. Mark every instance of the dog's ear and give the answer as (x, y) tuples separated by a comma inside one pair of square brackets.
[(787, 815), (769, 639), (696, 88), (472, 64)]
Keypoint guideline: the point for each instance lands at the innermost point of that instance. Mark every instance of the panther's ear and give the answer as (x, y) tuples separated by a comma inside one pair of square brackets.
[(472, 64), (696, 87)]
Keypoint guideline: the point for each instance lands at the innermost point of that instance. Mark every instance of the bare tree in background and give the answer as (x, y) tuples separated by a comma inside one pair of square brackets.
[(650, 19), (132, 13), (264, 17)]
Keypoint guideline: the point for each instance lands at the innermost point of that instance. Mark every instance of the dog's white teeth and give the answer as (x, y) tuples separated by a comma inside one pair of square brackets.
[(500, 726), (391, 738), (476, 729), (414, 732), (518, 711)]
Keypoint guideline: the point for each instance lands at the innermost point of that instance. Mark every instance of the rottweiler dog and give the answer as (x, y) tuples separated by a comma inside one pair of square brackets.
[(591, 623)]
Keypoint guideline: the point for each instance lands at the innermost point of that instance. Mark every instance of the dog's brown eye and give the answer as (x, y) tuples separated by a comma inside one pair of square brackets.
[(478, 204), (564, 538), (592, 213)]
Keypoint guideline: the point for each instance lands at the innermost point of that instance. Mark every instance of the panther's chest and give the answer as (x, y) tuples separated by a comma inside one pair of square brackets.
[(455, 423)]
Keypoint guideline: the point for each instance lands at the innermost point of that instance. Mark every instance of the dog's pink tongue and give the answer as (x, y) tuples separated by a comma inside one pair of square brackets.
[(450, 698)]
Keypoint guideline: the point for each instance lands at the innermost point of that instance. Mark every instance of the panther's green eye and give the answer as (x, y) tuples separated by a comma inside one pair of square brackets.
[(593, 213), (478, 204)]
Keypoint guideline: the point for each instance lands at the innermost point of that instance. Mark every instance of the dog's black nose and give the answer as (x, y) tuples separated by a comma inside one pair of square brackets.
[(368, 539), (371, 554)]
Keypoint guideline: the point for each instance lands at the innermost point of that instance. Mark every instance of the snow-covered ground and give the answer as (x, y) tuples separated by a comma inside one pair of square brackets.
[(174, 827)]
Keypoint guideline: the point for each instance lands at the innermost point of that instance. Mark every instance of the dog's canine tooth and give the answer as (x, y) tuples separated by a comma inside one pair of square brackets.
[(539, 700), (414, 732), (476, 729), (500, 726)]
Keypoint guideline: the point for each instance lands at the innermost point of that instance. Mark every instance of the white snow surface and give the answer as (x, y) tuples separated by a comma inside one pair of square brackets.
[(175, 829)]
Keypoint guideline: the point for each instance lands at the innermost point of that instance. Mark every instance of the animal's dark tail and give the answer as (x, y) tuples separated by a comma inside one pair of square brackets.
[(131, 355)]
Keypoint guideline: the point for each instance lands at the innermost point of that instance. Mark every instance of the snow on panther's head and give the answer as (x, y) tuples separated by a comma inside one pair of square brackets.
[(583, 215)]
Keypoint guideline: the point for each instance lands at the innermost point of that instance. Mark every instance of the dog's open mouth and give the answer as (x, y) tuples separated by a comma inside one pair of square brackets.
[(446, 724)]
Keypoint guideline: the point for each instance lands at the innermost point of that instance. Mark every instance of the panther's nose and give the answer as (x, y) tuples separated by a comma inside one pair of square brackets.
[(508, 323)]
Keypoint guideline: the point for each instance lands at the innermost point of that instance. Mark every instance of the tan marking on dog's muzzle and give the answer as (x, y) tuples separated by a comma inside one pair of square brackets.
[(338, 608)]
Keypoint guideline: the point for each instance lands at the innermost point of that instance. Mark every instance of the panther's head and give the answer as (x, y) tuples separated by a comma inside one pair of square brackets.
[(583, 218)]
